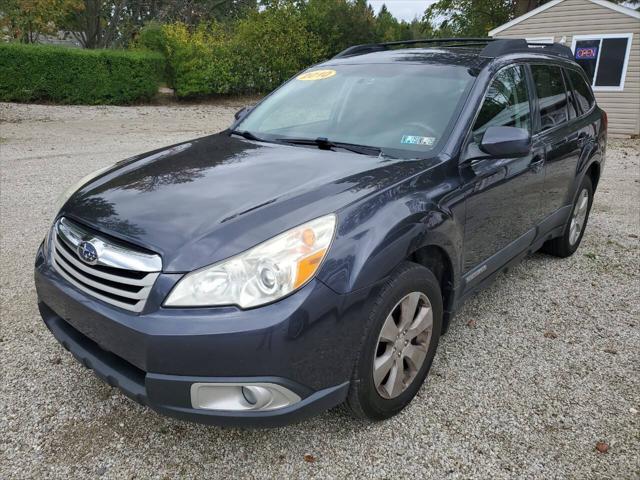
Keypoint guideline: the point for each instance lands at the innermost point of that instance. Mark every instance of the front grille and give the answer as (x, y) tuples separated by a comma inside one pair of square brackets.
[(121, 276)]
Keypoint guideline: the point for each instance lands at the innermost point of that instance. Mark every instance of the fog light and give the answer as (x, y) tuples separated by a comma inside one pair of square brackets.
[(241, 396)]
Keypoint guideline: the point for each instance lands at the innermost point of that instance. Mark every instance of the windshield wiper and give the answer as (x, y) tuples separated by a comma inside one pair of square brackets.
[(326, 144), (246, 134)]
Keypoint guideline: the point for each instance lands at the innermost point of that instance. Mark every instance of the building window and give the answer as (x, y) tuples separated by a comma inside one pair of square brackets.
[(604, 58), (539, 40)]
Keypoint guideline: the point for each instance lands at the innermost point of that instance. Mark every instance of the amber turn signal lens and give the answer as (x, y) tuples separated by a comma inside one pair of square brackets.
[(307, 267)]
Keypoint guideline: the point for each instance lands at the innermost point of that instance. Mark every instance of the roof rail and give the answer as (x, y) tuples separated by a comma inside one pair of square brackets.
[(519, 45), (376, 47), (493, 47)]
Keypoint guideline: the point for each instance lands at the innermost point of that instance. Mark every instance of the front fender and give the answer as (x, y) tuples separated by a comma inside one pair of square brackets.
[(378, 233)]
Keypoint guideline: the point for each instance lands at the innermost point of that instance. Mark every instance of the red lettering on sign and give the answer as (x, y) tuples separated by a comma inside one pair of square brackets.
[(585, 52)]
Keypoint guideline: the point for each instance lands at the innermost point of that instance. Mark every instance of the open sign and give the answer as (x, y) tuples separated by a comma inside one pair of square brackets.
[(586, 53)]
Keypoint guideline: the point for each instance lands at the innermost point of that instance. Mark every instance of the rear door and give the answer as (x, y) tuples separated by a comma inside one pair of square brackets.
[(556, 130)]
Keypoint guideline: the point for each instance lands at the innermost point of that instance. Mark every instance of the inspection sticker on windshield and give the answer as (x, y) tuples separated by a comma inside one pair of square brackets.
[(416, 140), (316, 75)]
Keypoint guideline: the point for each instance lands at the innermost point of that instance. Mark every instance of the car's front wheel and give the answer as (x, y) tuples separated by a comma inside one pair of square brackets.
[(399, 343)]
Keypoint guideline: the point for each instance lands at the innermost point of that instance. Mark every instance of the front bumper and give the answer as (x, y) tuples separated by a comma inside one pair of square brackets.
[(169, 394), (305, 343)]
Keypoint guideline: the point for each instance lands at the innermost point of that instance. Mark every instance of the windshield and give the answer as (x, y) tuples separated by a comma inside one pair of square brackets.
[(401, 109)]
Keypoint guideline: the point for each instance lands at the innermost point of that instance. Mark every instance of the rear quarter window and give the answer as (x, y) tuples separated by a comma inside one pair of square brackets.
[(583, 94)]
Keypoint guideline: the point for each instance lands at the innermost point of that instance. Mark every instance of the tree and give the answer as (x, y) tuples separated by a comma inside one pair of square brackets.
[(417, 29), (523, 6), (278, 41), (95, 24), (192, 12), (467, 18), (340, 23), (101, 24), (475, 18), (387, 27), (26, 20)]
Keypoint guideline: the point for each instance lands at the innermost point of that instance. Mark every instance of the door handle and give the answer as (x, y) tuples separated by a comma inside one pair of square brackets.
[(478, 164), (583, 138)]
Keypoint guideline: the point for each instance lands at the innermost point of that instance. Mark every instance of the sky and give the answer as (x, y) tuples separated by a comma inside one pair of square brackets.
[(403, 9)]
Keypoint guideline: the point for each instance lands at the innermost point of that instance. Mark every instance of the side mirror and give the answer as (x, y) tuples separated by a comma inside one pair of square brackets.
[(240, 114), (506, 142)]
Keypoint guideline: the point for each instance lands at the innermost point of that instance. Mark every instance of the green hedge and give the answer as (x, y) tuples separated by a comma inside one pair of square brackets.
[(251, 56), (68, 75)]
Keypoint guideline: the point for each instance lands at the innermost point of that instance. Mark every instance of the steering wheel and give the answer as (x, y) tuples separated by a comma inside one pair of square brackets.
[(422, 128)]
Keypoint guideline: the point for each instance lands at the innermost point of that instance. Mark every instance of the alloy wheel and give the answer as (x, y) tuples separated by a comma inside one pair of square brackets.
[(579, 216), (402, 345)]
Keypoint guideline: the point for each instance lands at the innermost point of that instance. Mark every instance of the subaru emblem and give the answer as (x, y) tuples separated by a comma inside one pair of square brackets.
[(88, 253)]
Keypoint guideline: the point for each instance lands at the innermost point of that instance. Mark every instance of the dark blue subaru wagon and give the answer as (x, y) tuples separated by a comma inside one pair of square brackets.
[(314, 253)]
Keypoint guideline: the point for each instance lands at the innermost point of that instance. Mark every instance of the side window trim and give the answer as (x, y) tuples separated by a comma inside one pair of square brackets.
[(568, 91), (533, 98), (536, 122)]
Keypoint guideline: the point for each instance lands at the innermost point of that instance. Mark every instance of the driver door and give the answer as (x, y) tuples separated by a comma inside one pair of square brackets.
[(504, 196)]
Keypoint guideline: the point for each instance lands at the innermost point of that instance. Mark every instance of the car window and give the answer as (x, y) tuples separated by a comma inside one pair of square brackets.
[(302, 110), (402, 108), (552, 97), (582, 92), (506, 103)]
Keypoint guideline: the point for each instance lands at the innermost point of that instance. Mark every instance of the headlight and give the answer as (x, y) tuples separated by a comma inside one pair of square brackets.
[(262, 274), (62, 199)]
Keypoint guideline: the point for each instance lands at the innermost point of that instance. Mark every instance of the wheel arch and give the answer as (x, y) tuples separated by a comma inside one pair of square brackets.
[(436, 259), (593, 172), (412, 221)]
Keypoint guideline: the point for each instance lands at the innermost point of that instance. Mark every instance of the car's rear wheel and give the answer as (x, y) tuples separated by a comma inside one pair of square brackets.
[(399, 343), (568, 243)]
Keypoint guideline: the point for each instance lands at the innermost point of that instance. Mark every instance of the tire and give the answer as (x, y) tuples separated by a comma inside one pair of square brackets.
[(377, 401), (565, 245)]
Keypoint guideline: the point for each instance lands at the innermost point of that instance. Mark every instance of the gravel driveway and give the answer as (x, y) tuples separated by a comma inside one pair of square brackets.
[(533, 373)]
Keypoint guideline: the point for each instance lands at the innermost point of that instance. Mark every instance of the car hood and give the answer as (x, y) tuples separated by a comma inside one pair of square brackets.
[(201, 201)]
